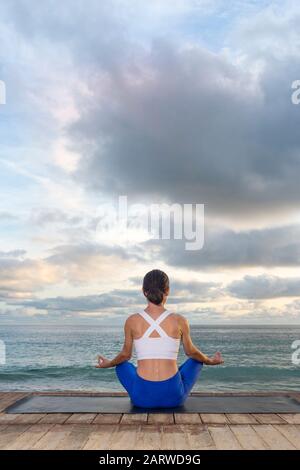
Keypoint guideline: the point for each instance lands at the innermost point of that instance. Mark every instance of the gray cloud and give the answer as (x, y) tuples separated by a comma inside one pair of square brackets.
[(94, 31), (189, 125), (87, 303), (164, 121), (265, 287), (160, 119), (76, 253), (12, 253), (182, 293), (268, 247)]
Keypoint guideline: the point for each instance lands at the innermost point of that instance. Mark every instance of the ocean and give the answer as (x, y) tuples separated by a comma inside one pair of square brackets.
[(257, 358)]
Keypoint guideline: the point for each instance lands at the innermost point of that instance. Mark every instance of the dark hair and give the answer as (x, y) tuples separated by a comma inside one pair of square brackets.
[(155, 285)]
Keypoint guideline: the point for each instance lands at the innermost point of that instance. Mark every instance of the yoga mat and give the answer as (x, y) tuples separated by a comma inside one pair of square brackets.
[(194, 404)]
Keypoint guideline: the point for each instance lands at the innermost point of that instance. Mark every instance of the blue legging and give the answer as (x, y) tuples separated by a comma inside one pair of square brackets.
[(167, 393)]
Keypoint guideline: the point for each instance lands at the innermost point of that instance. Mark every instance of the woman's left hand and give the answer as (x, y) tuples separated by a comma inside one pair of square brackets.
[(216, 360), (103, 362)]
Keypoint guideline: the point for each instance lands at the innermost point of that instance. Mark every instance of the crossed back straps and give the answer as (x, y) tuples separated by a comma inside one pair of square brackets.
[(154, 324)]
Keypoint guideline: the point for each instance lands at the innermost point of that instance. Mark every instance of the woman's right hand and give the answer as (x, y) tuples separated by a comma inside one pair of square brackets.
[(216, 359), (103, 363)]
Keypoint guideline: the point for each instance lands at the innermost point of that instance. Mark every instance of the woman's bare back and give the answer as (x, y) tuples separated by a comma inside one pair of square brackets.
[(156, 369)]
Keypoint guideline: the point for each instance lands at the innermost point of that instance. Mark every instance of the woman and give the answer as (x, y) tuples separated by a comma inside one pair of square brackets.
[(156, 333)]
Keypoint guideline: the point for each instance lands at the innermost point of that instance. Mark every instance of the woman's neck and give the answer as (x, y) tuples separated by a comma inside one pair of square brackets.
[(155, 309)]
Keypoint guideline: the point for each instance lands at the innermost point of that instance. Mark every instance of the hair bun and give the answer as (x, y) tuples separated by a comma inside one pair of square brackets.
[(155, 286), (155, 295)]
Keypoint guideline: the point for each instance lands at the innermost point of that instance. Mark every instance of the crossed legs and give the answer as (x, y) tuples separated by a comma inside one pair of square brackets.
[(189, 372)]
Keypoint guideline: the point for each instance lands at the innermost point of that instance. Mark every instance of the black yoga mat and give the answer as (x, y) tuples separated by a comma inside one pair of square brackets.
[(194, 404)]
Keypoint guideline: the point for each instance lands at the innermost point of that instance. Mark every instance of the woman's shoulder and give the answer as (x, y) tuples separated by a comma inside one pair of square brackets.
[(182, 320), (132, 318), (178, 317)]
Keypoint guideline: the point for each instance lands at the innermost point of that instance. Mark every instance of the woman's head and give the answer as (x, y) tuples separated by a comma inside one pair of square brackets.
[(156, 286)]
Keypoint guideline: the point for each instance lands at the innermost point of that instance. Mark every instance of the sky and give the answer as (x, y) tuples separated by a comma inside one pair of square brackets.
[(182, 101)]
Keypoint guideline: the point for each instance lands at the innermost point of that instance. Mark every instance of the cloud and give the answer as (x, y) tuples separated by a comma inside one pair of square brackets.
[(184, 124), (116, 299), (88, 303), (21, 278), (269, 247), (73, 265), (169, 119), (143, 99), (12, 254), (271, 31), (88, 263), (245, 313), (265, 287)]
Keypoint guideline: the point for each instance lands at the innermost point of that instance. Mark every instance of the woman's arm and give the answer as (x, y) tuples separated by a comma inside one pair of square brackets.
[(124, 355), (191, 350)]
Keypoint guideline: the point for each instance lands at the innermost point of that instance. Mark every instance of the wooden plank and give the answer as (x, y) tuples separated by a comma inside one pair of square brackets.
[(11, 398), (160, 418), (241, 418), (6, 396), (291, 432), (224, 438), (214, 418), (149, 437), (81, 418), (29, 438), (53, 437), (107, 418), (174, 438), (136, 418), (55, 418), (291, 418), (10, 433), (100, 437), (198, 437), (6, 418), (125, 437), (248, 438), (28, 418), (77, 393), (76, 439), (274, 439), (5, 401), (268, 418), (187, 418)]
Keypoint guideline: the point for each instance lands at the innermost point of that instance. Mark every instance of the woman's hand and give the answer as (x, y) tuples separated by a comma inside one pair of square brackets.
[(216, 359), (103, 363)]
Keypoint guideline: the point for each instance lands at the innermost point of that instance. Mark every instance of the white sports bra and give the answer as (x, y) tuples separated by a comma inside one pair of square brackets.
[(160, 347)]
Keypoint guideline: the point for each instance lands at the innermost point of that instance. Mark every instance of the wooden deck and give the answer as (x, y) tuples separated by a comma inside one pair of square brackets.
[(190, 431)]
